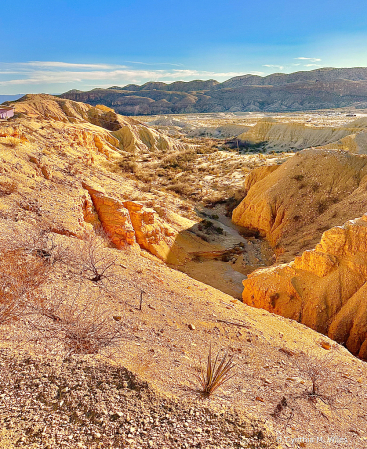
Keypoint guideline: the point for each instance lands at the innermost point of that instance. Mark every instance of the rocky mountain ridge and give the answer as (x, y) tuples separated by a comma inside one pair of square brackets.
[(306, 90)]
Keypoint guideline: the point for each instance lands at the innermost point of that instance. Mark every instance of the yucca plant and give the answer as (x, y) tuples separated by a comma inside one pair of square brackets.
[(216, 373)]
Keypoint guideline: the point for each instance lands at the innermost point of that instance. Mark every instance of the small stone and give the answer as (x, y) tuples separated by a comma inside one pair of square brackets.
[(97, 435), (191, 327), (125, 384), (326, 345)]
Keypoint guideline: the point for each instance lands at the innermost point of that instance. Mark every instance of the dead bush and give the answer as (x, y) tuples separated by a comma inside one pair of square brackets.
[(321, 386), (90, 261), (21, 277), (78, 321), (37, 241)]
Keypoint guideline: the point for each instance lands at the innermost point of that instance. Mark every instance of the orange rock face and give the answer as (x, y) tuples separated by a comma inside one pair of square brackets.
[(129, 222), (150, 231), (324, 289)]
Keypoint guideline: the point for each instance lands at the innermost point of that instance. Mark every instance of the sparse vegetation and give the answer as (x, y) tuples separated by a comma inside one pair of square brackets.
[(216, 372), (89, 261), (82, 327)]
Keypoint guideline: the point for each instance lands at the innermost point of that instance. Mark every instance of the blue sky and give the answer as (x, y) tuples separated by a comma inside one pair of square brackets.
[(56, 45)]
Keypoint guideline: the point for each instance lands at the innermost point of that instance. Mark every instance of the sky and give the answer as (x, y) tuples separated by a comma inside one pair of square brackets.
[(56, 45)]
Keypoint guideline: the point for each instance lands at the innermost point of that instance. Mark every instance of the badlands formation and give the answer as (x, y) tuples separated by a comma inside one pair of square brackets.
[(82, 188)]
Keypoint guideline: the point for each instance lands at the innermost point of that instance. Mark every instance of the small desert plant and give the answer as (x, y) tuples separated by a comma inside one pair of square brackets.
[(128, 166), (215, 374)]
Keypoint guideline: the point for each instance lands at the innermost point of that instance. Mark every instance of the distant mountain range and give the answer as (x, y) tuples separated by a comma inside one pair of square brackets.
[(4, 98), (316, 89)]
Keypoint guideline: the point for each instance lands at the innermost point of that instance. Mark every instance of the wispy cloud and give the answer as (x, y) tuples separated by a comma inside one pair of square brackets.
[(312, 65), (274, 66), (68, 65), (45, 73), (154, 63), (302, 58)]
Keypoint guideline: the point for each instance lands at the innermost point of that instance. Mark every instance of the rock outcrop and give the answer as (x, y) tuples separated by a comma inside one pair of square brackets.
[(325, 288), (309, 193), (284, 136), (130, 223)]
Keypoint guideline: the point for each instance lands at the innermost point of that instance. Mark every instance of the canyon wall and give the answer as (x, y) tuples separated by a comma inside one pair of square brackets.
[(325, 288)]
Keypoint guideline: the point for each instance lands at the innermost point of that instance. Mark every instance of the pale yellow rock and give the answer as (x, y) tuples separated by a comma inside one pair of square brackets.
[(299, 136), (309, 193)]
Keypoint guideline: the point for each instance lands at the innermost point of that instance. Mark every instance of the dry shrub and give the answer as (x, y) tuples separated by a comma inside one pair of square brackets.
[(78, 321), (182, 188), (322, 383), (21, 277), (91, 262), (180, 159), (128, 165)]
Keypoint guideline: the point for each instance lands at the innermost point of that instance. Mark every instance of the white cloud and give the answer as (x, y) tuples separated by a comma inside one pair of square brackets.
[(312, 65), (273, 66), (69, 65), (309, 59), (154, 63), (44, 73)]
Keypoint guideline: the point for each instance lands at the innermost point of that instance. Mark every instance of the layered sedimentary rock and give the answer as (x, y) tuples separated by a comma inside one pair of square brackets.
[(150, 231), (113, 216), (278, 135), (309, 193), (324, 289), (130, 222), (121, 132), (140, 138)]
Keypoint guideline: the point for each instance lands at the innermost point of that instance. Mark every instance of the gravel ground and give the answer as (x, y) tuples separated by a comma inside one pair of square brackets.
[(83, 402)]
